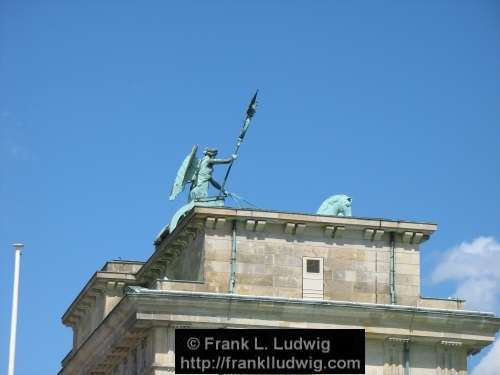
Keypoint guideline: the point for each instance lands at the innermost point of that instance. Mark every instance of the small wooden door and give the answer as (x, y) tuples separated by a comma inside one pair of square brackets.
[(312, 278)]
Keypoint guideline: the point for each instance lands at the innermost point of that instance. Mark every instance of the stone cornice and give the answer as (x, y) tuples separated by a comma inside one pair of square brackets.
[(133, 290), (169, 246), (116, 327), (399, 226), (428, 324), (96, 284)]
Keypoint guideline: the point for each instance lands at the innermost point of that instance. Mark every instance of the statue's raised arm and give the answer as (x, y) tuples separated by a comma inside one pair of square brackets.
[(222, 161)]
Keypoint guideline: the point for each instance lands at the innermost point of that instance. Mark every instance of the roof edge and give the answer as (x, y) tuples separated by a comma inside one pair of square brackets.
[(141, 291)]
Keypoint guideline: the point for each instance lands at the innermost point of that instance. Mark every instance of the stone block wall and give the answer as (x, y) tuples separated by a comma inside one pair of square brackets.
[(188, 265), (269, 262)]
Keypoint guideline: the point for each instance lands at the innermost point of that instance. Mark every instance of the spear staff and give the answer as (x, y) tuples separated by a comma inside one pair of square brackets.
[(250, 112)]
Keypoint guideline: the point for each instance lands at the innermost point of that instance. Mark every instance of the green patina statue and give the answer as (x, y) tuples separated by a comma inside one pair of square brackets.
[(336, 205), (204, 178), (199, 174)]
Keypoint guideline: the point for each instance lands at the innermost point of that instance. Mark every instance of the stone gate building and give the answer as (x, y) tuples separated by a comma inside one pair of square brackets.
[(240, 268)]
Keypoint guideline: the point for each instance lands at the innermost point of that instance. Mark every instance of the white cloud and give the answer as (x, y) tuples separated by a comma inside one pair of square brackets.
[(490, 364), (475, 267)]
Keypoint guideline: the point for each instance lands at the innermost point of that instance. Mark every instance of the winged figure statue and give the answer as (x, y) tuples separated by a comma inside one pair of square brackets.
[(198, 173)]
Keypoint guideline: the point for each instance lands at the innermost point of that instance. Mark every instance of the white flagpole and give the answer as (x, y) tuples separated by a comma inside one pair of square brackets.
[(15, 296)]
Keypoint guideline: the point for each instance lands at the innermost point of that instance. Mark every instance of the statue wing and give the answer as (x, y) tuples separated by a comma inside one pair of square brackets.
[(186, 173)]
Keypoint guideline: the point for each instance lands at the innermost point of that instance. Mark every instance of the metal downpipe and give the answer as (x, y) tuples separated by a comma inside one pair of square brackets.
[(232, 279), (392, 270)]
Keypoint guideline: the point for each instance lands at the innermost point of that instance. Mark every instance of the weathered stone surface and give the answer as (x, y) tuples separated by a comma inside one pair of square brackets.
[(217, 250), (402, 279), (217, 266), (405, 257)]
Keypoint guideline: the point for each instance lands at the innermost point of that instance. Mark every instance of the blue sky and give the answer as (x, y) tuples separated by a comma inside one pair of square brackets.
[(394, 103)]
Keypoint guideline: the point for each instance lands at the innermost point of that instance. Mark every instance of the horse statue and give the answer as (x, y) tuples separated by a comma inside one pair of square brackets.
[(336, 205)]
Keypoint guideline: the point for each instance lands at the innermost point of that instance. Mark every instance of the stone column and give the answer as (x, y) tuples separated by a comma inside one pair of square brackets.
[(163, 348), (451, 358), (394, 356)]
